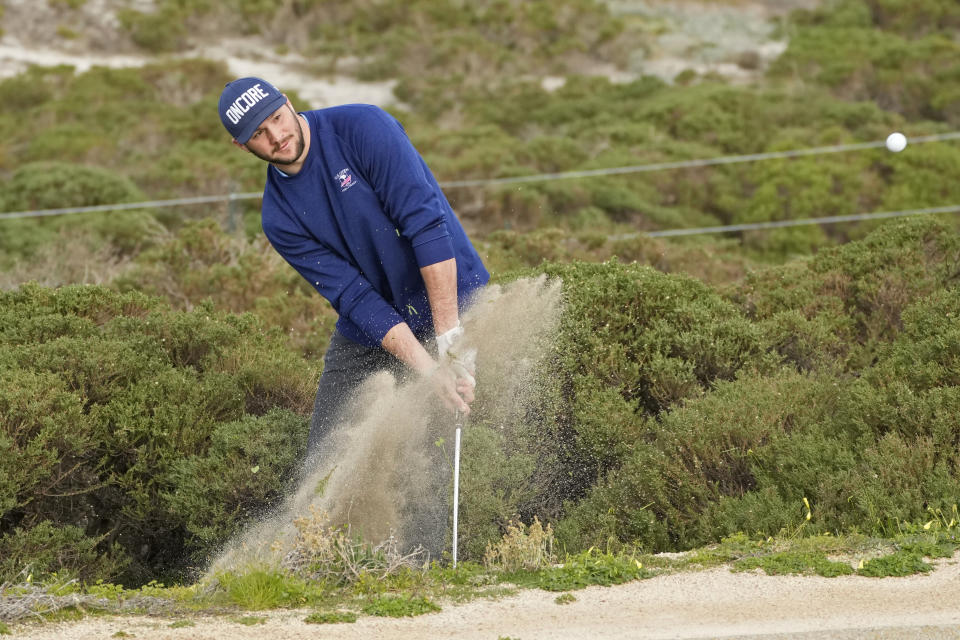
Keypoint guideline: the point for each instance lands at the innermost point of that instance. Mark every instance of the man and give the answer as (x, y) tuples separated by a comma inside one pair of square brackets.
[(352, 206)]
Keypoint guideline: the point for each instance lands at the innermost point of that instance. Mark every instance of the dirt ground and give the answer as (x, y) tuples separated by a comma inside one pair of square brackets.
[(715, 603), (733, 38)]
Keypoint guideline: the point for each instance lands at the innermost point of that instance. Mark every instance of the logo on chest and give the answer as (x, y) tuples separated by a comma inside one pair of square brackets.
[(345, 179)]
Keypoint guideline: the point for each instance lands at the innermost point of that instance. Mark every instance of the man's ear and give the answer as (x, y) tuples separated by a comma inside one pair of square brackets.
[(239, 145)]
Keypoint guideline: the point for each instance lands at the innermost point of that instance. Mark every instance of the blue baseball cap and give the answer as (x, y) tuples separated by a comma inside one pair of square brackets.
[(245, 103)]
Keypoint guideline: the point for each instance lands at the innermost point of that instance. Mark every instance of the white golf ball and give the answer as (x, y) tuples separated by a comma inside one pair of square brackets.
[(896, 142)]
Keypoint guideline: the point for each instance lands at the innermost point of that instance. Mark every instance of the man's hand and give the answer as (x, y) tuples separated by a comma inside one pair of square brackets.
[(455, 393), (462, 360), (455, 360)]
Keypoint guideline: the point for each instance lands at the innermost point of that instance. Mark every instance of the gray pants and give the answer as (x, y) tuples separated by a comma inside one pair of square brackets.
[(347, 365)]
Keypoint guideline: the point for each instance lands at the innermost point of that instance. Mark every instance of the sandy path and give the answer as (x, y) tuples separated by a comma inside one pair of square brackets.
[(706, 37), (709, 604)]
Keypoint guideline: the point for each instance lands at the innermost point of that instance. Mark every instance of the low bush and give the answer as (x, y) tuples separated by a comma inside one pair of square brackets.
[(160, 31), (334, 556), (495, 481), (848, 300), (236, 480), (694, 474), (131, 429), (47, 185), (202, 262), (521, 548), (895, 53), (634, 342), (46, 549), (869, 439)]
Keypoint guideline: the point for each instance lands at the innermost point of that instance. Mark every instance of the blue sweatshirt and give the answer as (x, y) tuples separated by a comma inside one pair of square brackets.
[(361, 218)]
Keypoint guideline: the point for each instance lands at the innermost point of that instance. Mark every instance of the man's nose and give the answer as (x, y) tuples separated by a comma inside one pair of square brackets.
[(273, 133)]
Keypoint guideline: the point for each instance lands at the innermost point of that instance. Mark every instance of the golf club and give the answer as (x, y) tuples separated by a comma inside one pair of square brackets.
[(458, 420)]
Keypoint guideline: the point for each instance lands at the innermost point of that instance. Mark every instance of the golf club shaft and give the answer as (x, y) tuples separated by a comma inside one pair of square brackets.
[(456, 483)]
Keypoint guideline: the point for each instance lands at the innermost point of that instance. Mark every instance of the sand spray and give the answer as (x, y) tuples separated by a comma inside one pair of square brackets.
[(379, 472)]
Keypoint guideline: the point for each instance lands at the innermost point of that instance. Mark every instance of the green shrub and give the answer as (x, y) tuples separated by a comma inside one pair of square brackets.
[(202, 262), (45, 436), (913, 179), (162, 31), (122, 411), (635, 342), (33, 87), (926, 354), (521, 548), (400, 606), (745, 457), (494, 484), (237, 478), (906, 407), (46, 548), (49, 185), (893, 52), (696, 473), (856, 292), (633, 345), (126, 121), (869, 442)]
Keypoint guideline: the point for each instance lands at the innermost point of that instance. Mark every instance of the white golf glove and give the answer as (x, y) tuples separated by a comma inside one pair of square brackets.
[(462, 360)]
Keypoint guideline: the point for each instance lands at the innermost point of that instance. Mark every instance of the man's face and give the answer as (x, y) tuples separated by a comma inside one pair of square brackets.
[(279, 138)]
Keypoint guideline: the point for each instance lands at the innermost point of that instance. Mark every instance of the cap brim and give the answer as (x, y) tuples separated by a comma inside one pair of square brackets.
[(267, 108)]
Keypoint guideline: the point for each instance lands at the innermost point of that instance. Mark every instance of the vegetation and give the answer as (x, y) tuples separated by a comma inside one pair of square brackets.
[(124, 422), (407, 592), (669, 437), (331, 617), (723, 436), (159, 364)]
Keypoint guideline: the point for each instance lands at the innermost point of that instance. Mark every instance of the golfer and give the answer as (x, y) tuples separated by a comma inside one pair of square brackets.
[(353, 207)]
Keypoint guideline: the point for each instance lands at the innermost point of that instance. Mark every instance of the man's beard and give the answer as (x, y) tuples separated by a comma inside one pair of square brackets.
[(298, 146)]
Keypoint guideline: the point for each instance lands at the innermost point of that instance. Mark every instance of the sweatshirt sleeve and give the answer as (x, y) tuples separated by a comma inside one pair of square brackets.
[(402, 182), (351, 295)]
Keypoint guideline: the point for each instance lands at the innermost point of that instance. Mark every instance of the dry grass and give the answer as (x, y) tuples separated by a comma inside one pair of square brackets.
[(333, 555), (522, 548), (70, 259), (27, 600)]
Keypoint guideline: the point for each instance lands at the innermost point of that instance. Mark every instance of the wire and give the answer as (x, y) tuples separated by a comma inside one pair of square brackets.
[(687, 164), (748, 226), (125, 206), (544, 177)]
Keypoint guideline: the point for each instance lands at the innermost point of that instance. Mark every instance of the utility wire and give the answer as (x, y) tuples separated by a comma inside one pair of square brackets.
[(687, 164), (125, 206), (566, 175), (776, 224)]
